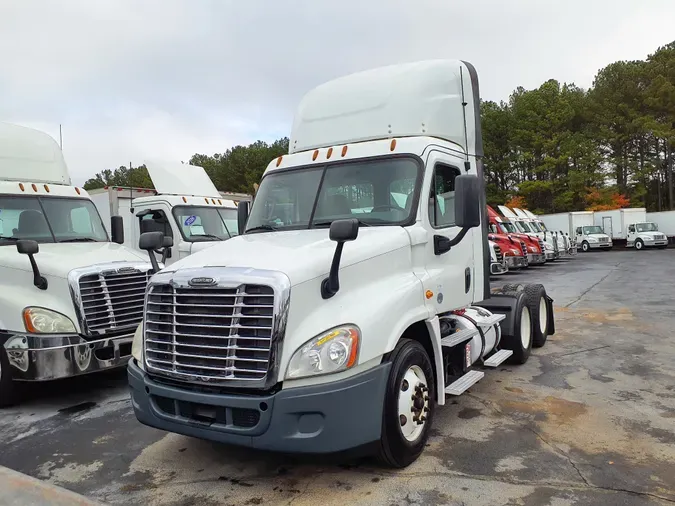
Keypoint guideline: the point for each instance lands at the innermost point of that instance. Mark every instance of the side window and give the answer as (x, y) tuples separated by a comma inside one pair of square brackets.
[(578, 230), (155, 221), (442, 196), (631, 228)]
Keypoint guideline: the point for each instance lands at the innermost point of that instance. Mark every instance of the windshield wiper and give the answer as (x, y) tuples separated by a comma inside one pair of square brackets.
[(79, 239), (9, 238), (209, 236), (328, 223), (261, 227)]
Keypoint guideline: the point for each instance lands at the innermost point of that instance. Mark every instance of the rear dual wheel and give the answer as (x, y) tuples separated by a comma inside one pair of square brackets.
[(536, 302)]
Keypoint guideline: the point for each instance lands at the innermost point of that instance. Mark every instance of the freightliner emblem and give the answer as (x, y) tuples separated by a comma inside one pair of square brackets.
[(202, 282)]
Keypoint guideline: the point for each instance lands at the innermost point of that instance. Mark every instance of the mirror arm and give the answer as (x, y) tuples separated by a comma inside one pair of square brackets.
[(331, 285), (38, 280), (458, 238)]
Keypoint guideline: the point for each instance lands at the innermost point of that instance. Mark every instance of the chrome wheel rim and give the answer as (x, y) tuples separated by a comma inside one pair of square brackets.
[(413, 403)]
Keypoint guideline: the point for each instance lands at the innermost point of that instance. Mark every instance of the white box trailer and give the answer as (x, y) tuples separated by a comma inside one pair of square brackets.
[(665, 220), (557, 222), (615, 222)]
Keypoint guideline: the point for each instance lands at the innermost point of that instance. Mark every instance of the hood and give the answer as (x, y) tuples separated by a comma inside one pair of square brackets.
[(301, 254), (58, 260), (599, 236), (651, 234)]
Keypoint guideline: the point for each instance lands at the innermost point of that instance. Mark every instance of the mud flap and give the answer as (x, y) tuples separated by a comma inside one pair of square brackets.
[(502, 304), (551, 316)]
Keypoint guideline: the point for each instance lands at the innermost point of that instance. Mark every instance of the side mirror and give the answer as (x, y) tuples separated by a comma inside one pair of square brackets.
[(31, 248), (27, 247), (341, 231), (151, 241), (117, 229), (242, 215), (167, 243), (467, 197), (467, 211)]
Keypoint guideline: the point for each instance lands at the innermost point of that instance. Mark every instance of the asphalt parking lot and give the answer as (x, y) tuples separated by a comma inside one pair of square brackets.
[(589, 420)]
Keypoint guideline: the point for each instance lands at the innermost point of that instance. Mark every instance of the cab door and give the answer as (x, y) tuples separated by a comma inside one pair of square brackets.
[(155, 218), (630, 238), (451, 275)]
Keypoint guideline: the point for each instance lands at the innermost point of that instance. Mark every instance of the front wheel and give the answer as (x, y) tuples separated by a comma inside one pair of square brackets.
[(585, 247), (409, 405), (639, 244)]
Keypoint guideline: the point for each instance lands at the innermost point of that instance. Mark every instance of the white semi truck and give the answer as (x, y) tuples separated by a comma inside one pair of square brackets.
[(71, 296), (184, 205), (330, 329)]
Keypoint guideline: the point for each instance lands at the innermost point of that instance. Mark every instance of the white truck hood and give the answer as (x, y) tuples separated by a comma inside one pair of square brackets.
[(58, 260), (651, 235), (301, 254)]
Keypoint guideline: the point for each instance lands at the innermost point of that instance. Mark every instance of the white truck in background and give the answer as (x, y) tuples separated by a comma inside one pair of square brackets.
[(185, 206), (566, 245), (336, 327), (665, 221), (560, 243), (645, 235), (71, 296), (615, 223)]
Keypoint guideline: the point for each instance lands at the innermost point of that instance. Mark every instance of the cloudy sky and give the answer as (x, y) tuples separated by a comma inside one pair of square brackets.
[(130, 79)]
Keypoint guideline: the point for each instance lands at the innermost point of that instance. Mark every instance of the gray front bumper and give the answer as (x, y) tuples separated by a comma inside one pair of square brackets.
[(41, 358), (513, 262), (536, 258), (323, 418), (497, 268)]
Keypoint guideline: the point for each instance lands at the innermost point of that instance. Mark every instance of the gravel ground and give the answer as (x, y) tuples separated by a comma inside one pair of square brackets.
[(590, 419)]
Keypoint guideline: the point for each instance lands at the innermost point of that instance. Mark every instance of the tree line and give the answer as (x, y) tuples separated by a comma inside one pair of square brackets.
[(551, 149)]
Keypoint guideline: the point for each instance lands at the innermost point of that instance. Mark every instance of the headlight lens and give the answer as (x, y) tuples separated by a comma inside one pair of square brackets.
[(592, 239), (333, 351), (137, 345), (39, 320)]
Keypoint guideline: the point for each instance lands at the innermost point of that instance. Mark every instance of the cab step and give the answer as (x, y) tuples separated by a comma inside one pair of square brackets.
[(459, 337), (491, 320), (498, 358), (461, 385)]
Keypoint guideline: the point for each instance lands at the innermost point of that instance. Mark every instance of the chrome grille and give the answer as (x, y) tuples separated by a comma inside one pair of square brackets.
[(112, 299), (210, 333), (523, 247), (541, 245), (498, 254)]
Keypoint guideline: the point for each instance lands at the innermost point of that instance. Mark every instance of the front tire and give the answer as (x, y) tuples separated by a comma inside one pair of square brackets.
[(7, 387), (521, 340), (639, 244), (585, 247), (409, 405)]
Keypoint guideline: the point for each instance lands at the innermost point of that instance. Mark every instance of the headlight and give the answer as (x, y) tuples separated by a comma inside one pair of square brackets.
[(137, 345), (39, 320), (333, 351), (592, 239)]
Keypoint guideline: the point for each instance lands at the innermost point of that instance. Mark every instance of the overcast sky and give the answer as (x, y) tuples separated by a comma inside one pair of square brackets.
[(130, 79)]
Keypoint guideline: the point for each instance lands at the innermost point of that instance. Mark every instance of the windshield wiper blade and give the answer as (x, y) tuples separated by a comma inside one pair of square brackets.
[(210, 236), (79, 239), (9, 238), (261, 227), (327, 223)]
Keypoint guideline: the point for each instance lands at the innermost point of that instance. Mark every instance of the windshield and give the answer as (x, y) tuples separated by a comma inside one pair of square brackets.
[(49, 219), (646, 227), (535, 226), (508, 227), (522, 226), (377, 192), (593, 230), (206, 223), (542, 226)]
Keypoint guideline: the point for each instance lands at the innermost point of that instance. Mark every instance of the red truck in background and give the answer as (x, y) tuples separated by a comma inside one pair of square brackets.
[(532, 247), (515, 256)]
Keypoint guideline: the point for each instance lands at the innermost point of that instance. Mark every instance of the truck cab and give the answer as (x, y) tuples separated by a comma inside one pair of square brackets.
[(343, 314), (593, 237), (566, 245), (532, 245), (559, 243), (71, 295), (513, 250), (184, 205), (645, 235)]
